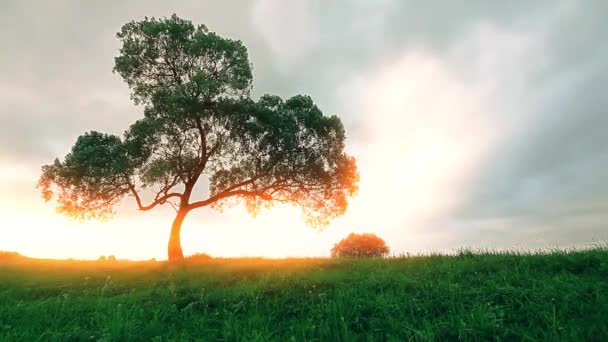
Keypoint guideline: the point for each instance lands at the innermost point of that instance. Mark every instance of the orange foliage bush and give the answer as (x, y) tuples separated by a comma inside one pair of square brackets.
[(364, 245)]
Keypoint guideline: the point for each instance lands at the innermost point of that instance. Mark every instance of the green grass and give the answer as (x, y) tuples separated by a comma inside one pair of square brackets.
[(471, 296)]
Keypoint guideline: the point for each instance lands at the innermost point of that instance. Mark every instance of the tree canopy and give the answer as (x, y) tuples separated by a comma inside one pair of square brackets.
[(200, 121)]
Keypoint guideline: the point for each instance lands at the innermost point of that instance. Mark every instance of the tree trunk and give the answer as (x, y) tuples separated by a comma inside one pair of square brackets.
[(175, 245)]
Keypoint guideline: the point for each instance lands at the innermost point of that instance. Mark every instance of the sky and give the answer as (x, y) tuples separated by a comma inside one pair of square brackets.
[(474, 123)]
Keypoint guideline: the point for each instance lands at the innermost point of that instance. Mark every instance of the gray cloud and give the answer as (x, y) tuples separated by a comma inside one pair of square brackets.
[(545, 177), (554, 165)]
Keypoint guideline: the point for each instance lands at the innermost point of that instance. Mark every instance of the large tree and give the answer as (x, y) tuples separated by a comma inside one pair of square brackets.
[(200, 124)]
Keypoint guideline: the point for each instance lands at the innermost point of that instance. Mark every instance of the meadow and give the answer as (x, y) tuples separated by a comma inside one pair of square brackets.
[(469, 296)]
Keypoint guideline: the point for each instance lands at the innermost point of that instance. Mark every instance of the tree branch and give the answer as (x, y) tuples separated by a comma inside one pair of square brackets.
[(160, 200), (174, 205), (203, 141), (226, 194)]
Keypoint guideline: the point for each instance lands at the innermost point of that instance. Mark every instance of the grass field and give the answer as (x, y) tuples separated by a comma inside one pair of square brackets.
[(471, 296)]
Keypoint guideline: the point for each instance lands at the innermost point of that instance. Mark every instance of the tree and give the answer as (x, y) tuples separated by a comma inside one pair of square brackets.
[(360, 246), (201, 124)]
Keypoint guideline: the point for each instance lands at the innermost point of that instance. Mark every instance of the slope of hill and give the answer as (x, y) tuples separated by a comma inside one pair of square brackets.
[(485, 296)]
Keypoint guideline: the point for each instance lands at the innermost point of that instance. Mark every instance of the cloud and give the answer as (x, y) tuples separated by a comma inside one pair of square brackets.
[(553, 155), (290, 29), (475, 122), (426, 127)]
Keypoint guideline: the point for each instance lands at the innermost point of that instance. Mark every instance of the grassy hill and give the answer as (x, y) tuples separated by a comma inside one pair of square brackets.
[(485, 296)]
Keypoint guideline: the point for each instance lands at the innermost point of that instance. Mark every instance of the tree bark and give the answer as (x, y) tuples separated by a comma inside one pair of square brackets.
[(175, 246)]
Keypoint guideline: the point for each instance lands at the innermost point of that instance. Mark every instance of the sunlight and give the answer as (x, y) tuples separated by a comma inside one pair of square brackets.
[(416, 170), (419, 158), (422, 153)]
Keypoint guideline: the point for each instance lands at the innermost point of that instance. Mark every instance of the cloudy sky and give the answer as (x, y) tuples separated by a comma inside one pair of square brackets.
[(474, 123)]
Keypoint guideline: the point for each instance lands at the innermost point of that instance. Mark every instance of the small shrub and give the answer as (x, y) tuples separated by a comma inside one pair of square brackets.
[(198, 257), (364, 245)]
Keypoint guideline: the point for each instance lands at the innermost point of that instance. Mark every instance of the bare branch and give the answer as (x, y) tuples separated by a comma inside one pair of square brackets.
[(157, 201), (174, 205)]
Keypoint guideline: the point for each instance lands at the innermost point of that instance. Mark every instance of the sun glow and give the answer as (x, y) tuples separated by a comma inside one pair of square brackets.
[(421, 153), (416, 157)]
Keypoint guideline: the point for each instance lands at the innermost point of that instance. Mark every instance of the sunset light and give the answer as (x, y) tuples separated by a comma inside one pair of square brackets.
[(268, 170), (417, 156)]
